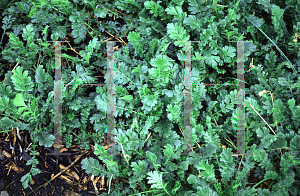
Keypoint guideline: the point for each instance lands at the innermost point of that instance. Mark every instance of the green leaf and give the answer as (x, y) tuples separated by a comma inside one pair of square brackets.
[(22, 81), (78, 32), (212, 60), (6, 123), (193, 22), (44, 32), (127, 97), (271, 175), (286, 162), (25, 114), (228, 52), (42, 78), (177, 33), (291, 103), (84, 74), (176, 12), (206, 191), (71, 116), (173, 112), (86, 55), (45, 139), (4, 105), (161, 71), (277, 12), (209, 173), (152, 157), (15, 41), (263, 192), (7, 22), (75, 104), (122, 74), (101, 13), (226, 165), (280, 142), (99, 150), (192, 179), (155, 179), (266, 5), (168, 151), (295, 146), (136, 70), (134, 38), (28, 34), (279, 110), (154, 7), (101, 102), (92, 165), (25, 180), (150, 100), (139, 168), (33, 10), (34, 171), (59, 32), (19, 101), (176, 187)]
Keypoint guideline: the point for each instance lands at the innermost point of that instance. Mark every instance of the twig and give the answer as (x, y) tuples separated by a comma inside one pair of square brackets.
[(124, 154), (15, 67), (109, 183), (62, 171), (262, 119), (32, 190)]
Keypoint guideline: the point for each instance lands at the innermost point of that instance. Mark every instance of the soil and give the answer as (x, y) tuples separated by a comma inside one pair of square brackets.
[(12, 169)]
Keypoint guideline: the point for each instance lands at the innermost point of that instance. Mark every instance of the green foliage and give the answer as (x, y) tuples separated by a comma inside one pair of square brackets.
[(149, 85), (33, 171)]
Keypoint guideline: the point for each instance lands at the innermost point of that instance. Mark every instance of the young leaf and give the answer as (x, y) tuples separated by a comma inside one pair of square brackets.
[(155, 179), (176, 187), (91, 165), (35, 171), (99, 150), (154, 7), (134, 38), (19, 101), (226, 164), (177, 32), (209, 173), (173, 112), (26, 179)]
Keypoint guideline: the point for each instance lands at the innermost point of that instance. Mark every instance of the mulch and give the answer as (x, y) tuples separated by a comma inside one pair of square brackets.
[(64, 172)]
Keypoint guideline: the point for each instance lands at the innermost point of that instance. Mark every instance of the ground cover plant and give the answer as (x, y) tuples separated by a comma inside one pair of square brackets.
[(149, 92)]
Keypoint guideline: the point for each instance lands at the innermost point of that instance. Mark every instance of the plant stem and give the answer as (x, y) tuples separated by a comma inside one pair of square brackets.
[(259, 183), (145, 192)]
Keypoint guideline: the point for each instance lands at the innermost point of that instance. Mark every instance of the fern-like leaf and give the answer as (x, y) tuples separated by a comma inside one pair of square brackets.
[(22, 81)]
